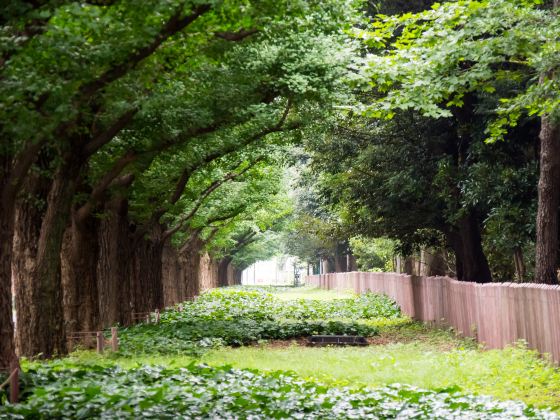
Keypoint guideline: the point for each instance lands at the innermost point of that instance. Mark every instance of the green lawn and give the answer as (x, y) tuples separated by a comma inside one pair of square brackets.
[(310, 292), (514, 373)]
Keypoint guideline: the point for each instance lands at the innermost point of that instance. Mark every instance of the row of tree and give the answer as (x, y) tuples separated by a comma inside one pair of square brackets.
[(126, 127), (137, 136), (452, 141)]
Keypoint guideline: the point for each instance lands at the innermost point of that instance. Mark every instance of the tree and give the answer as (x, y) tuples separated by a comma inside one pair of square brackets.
[(98, 91), (444, 56)]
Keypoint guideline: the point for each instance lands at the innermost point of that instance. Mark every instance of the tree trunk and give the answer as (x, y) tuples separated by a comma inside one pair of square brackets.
[(42, 299), (339, 263), (79, 275), (474, 263), (433, 263), (8, 359), (325, 266), (223, 272), (237, 273), (172, 274), (208, 273), (519, 264), (145, 274), (409, 265), (546, 257), (190, 260), (113, 279), (29, 215), (181, 272)]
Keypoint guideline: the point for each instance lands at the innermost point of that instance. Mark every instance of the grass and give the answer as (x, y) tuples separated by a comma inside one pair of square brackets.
[(513, 373), (310, 292), (412, 354)]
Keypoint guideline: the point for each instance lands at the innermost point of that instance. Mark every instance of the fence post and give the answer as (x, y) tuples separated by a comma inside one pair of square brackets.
[(100, 342), (14, 386), (114, 339), (157, 316)]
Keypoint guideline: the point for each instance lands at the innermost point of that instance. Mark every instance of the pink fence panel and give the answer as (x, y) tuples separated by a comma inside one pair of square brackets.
[(497, 314)]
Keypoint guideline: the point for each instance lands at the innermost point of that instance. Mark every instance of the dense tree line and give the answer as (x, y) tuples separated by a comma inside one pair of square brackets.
[(140, 141), (453, 143), (127, 127)]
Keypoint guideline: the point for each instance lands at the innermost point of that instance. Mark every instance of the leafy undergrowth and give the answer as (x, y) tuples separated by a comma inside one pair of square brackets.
[(323, 383), (235, 317), (59, 391), (257, 303)]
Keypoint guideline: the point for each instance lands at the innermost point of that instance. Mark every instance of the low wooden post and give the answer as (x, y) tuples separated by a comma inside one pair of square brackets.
[(14, 386), (157, 316), (149, 318), (180, 309), (114, 339), (100, 342)]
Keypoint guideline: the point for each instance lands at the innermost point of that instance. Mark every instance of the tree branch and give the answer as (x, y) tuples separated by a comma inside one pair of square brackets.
[(106, 136), (236, 36), (104, 183), (213, 187), (174, 25), (180, 186), (22, 164)]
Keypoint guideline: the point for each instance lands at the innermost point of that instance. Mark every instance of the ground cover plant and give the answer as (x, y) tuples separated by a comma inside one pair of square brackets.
[(446, 376), (60, 391), (240, 316)]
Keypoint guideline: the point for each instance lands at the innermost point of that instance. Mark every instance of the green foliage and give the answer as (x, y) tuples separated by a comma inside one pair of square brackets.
[(373, 254), (224, 94), (204, 392), (315, 231), (430, 61), (255, 303), (230, 316)]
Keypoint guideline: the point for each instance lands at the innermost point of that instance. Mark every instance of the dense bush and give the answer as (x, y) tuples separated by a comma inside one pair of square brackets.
[(239, 316), (194, 335), (257, 303), (220, 393)]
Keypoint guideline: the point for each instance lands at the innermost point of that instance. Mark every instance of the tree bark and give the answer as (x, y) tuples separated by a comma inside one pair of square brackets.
[(8, 358), (190, 260), (181, 272), (433, 263), (546, 258), (208, 273), (113, 265), (79, 275), (474, 265), (39, 300), (519, 264), (29, 215), (237, 275), (223, 278), (325, 266), (145, 273), (409, 265), (339, 263), (172, 275)]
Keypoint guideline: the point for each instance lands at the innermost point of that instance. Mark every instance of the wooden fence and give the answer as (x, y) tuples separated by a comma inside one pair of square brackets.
[(496, 314)]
